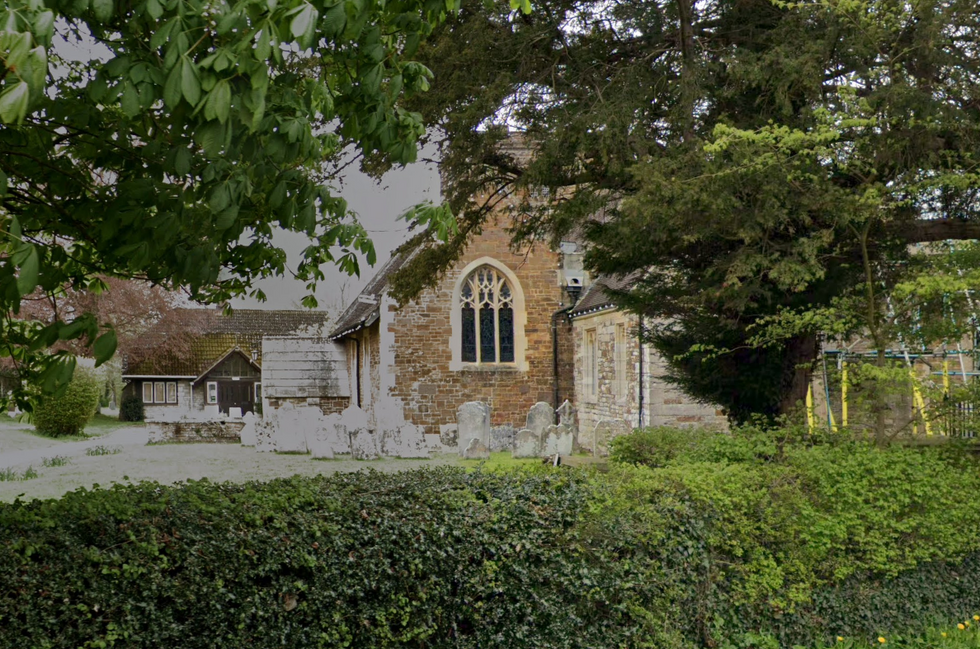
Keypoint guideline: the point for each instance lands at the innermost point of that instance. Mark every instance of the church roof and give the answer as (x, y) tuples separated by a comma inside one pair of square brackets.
[(363, 310), (596, 298), (204, 336)]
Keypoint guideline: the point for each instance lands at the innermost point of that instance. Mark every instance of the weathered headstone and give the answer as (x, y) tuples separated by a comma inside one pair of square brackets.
[(473, 422), (476, 450), (405, 441), (527, 443), (559, 440), (329, 438), (540, 417), (248, 430), (290, 427), (449, 434), (604, 431), (502, 438), (335, 434), (363, 445), (566, 414), (264, 431)]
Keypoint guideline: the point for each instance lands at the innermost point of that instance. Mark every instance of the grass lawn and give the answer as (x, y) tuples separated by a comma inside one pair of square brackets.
[(964, 635), (102, 424)]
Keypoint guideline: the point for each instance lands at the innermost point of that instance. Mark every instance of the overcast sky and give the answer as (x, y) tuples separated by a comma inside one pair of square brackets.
[(377, 206)]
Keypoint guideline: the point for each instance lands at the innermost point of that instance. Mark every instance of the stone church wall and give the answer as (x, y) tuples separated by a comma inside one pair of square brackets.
[(422, 342), (617, 397)]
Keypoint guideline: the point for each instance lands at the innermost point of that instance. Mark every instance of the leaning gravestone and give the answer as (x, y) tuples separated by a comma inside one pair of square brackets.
[(605, 430), (502, 438), (473, 422)]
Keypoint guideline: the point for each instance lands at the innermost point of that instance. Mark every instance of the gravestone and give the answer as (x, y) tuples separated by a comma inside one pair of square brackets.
[(473, 422), (502, 438), (329, 439), (559, 440), (363, 445), (526, 444), (289, 429), (248, 430), (448, 435), (605, 430), (476, 450), (264, 436), (539, 418), (405, 441)]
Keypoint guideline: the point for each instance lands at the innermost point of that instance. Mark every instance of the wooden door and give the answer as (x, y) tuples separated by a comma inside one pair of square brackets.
[(235, 394)]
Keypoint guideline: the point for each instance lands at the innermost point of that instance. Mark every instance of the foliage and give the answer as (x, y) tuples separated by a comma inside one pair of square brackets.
[(101, 449), (10, 474), (435, 558), (67, 414), (962, 635), (188, 135), (131, 409), (800, 541), (57, 460), (734, 541), (737, 160)]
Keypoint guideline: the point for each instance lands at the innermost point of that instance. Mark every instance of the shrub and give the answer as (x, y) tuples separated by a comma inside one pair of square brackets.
[(131, 409), (68, 414)]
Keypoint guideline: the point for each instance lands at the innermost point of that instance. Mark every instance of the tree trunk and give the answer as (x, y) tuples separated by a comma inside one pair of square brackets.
[(801, 352)]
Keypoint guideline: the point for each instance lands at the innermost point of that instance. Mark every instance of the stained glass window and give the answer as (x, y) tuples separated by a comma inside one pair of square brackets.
[(487, 317)]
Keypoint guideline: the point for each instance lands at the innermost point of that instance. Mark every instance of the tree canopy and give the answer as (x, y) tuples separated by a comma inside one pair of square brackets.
[(748, 158), (192, 132)]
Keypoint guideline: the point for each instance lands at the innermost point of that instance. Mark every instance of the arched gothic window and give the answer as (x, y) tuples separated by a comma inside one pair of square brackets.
[(487, 317)]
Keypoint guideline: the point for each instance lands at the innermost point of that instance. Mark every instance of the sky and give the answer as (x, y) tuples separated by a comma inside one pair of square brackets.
[(377, 206)]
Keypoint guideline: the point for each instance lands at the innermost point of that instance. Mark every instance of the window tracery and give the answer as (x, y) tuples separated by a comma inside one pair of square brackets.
[(487, 317)]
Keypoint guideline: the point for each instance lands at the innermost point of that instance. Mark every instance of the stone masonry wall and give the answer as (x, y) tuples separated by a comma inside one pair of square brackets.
[(421, 331), (195, 431), (664, 405)]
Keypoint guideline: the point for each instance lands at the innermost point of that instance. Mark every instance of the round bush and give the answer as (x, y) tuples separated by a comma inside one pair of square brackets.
[(131, 409), (68, 414)]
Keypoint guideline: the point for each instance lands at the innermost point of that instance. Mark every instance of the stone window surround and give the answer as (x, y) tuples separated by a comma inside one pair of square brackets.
[(456, 363)]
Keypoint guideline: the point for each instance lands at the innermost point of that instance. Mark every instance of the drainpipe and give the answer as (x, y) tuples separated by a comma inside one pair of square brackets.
[(639, 339), (554, 354)]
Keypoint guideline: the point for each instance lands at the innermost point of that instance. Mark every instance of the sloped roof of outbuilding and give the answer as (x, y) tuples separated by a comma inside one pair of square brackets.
[(597, 298), (364, 309), (204, 336)]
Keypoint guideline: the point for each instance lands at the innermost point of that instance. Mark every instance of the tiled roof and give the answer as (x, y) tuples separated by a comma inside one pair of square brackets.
[(204, 336), (596, 297), (365, 306)]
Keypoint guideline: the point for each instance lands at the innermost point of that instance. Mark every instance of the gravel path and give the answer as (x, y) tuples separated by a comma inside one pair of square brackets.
[(164, 463)]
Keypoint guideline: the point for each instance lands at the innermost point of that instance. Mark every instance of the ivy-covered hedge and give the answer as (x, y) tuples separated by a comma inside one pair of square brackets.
[(434, 558), (746, 545)]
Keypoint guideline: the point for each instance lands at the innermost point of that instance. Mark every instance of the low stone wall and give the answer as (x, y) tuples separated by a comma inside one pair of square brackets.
[(327, 405), (195, 431)]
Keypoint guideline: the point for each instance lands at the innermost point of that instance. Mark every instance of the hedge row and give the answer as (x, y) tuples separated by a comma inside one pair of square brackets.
[(758, 547), (433, 558)]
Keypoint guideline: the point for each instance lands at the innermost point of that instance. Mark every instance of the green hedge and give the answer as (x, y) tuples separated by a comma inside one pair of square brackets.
[(767, 546), (801, 542), (432, 558)]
